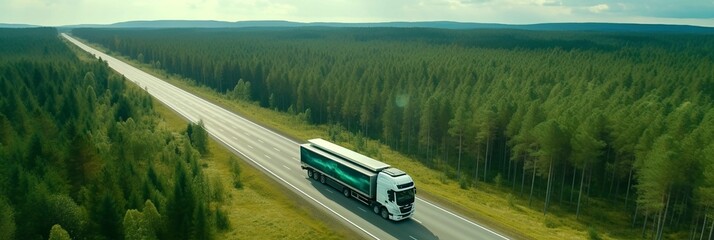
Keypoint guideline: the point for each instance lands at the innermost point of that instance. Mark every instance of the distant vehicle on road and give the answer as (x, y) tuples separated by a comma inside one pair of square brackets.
[(390, 192)]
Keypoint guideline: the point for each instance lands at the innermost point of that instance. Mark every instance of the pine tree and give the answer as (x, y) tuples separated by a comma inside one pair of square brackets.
[(108, 217), (57, 233), (426, 126), (135, 226), (181, 204), (658, 175), (586, 150), (457, 130), (552, 145), (198, 136), (7, 219)]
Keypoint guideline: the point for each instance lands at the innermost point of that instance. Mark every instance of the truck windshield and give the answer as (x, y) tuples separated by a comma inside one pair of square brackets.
[(405, 197)]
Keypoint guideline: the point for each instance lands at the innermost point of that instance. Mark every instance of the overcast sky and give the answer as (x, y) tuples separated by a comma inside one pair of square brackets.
[(65, 12)]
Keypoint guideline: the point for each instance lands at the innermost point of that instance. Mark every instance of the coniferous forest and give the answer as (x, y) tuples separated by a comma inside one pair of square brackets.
[(625, 118), (83, 156)]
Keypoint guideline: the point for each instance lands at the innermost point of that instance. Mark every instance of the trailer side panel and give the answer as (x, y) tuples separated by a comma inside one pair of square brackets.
[(342, 171)]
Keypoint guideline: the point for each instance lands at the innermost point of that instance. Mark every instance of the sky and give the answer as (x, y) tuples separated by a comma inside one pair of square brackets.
[(67, 12)]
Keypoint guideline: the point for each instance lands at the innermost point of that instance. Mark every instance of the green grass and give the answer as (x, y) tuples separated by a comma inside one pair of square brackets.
[(490, 205)]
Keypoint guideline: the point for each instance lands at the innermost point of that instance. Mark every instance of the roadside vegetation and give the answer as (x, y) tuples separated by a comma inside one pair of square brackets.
[(548, 134), (255, 205), (85, 155)]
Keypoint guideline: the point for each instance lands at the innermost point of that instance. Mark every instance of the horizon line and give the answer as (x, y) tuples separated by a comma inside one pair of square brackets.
[(366, 22)]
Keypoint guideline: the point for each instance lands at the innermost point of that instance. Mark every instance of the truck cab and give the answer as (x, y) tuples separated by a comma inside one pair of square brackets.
[(395, 195)]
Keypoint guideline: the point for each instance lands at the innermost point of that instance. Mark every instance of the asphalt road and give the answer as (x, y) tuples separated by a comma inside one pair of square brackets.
[(278, 157)]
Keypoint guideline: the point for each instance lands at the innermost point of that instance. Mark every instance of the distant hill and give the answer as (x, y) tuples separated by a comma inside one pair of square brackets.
[(15, 25), (594, 27), (615, 27), (600, 27), (173, 24)]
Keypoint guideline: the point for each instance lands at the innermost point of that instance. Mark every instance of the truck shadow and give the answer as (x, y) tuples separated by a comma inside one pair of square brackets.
[(406, 229)]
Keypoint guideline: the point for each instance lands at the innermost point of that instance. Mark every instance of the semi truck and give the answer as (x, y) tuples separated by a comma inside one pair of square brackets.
[(388, 191)]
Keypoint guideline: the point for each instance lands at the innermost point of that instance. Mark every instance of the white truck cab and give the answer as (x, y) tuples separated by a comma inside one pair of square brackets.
[(395, 194)]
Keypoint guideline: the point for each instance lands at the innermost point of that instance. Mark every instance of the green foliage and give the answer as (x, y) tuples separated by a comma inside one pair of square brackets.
[(242, 90), (706, 191), (306, 116), (198, 135), (135, 226), (153, 219), (605, 116), (200, 229), (551, 222), (592, 234), (80, 147), (217, 190), (144, 224), (57, 233), (31, 42), (182, 204), (222, 222), (7, 220), (498, 180), (62, 209), (108, 217), (464, 183), (511, 201), (235, 172)]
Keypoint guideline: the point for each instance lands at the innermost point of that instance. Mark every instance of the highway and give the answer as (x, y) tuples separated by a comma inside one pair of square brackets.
[(278, 157)]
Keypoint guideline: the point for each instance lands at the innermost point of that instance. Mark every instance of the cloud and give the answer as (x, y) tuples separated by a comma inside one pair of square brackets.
[(599, 8)]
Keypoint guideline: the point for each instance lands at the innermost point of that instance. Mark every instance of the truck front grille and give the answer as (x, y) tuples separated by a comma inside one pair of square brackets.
[(406, 209)]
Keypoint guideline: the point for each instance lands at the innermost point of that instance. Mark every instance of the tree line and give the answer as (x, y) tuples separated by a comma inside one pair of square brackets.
[(559, 117), (82, 154)]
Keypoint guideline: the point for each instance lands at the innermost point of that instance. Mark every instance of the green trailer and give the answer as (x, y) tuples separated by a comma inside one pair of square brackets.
[(389, 191)]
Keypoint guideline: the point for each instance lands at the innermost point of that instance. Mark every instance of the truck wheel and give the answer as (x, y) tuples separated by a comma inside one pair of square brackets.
[(376, 208), (310, 173), (316, 176), (322, 179), (384, 213), (346, 192)]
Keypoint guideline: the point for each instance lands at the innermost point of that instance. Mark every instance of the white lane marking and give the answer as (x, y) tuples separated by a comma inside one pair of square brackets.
[(329, 190), (235, 138), (246, 133), (410, 236), (362, 209), (261, 141), (294, 158), (459, 217), (286, 167), (251, 147), (267, 156), (416, 220), (277, 150)]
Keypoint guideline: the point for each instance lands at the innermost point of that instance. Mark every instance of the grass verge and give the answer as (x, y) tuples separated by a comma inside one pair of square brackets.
[(493, 206)]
